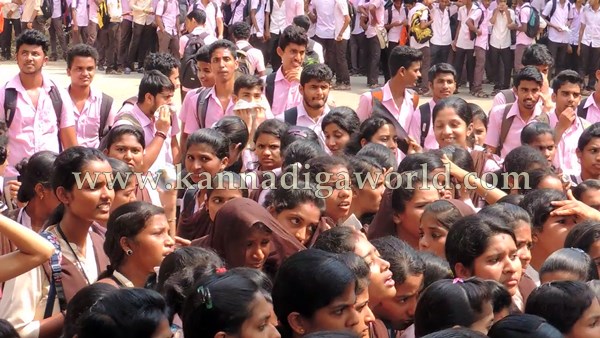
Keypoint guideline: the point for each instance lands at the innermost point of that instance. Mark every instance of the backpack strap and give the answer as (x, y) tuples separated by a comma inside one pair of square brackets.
[(543, 117), (105, 108), (131, 119), (377, 94), (509, 95), (425, 122), (505, 127), (131, 101), (10, 105), (582, 111), (389, 12), (247, 48), (57, 105), (56, 285), (415, 99), (202, 106), (291, 116), (270, 87)]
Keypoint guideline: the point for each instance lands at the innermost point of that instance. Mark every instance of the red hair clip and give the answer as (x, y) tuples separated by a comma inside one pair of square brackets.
[(221, 270)]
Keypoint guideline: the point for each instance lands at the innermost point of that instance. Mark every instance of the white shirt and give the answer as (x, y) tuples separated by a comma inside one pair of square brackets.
[(339, 15), (464, 39), (212, 14), (441, 26), (372, 29), (56, 9), (303, 120), (357, 28), (325, 10), (277, 17), (559, 18), (259, 6), (398, 15), (500, 37), (591, 20), (424, 17)]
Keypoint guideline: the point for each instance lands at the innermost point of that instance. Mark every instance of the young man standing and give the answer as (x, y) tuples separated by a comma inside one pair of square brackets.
[(422, 9), (167, 20), (558, 14), (589, 41), (41, 113), (528, 85), (240, 31), (478, 23), (462, 45), (57, 30), (374, 10), (442, 83), (94, 111), (590, 108)]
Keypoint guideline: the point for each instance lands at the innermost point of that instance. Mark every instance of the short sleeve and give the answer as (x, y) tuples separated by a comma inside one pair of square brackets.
[(476, 15), (547, 9), (160, 6), (494, 125), (365, 107), (67, 116)]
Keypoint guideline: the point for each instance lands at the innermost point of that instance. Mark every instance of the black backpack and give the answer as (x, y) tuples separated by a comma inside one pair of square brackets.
[(533, 23), (188, 76), (47, 8)]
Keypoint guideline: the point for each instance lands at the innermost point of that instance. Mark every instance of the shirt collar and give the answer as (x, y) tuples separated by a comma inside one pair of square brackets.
[(139, 114)]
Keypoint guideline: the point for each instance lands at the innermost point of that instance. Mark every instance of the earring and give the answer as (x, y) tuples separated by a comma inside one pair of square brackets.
[(41, 197), (128, 252)]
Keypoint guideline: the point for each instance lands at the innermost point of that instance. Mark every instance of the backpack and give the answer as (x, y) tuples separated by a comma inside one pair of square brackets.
[(507, 123), (270, 87), (131, 119), (188, 76), (473, 35), (310, 56), (425, 113), (47, 8), (352, 14), (582, 111), (10, 106), (105, 107), (404, 30), (290, 116), (509, 96), (202, 106), (104, 17), (378, 109), (243, 63), (421, 35), (533, 24)]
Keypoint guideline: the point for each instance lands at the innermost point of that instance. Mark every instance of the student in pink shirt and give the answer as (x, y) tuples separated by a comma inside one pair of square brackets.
[(282, 86), (523, 41), (477, 23), (591, 106), (442, 83), (567, 86), (94, 110), (315, 83), (240, 32), (528, 83), (588, 154), (167, 20), (34, 125)]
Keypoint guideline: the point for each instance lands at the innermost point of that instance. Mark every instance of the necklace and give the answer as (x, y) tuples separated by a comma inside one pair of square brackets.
[(78, 264)]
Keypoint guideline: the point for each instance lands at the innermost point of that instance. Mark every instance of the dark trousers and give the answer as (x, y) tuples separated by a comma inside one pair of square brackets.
[(590, 61), (102, 46), (385, 57), (272, 55), (149, 43), (425, 65), (39, 24), (373, 58), (135, 44), (559, 52), (328, 51), (459, 60), (501, 57), (10, 25), (358, 53), (92, 33), (342, 74), (125, 32), (57, 30), (168, 43), (112, 49), (80, 35), (439, 54), (479, 69)]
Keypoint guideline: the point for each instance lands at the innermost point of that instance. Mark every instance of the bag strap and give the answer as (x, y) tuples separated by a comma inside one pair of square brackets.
[(415, 99), (105, 108), (425, 122), (377, 94), (543, 117), (10, 105), (270, 87), (291, 116), (57, 105), (509, 95), (56, 286), (202, 106), (389, 12), (247, 48), (505, 127), (582, 111), (130, 118)]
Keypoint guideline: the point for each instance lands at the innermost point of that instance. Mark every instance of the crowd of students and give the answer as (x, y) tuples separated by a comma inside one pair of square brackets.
[(260, 207)]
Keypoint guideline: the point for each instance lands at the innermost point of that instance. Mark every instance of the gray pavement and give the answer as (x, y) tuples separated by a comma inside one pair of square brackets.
[(122, 87)]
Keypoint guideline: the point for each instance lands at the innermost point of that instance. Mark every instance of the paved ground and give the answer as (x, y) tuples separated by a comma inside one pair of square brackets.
[(122, 87)]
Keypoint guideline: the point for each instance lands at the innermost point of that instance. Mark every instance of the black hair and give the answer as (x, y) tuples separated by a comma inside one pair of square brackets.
[(408, 183), (246, 81), (33, 171), (293, 34), (588, 134), (583, 187), (227, 180), (203, 54), (537, 55), (81, 303), (436, 268), (561, 303), (455, 302), (583, 235), (456, 332), (528, 73), (295, 133), (441, 68), (403, 57), (566, 76), (33, 37), (510, 214), (368, 128), (538, 203), (162, 62), (308, 281), (459, 156), (223, 44), (301, 151), (258, 277), (524, 158), (81, 50), (523, 326), (535, 177), (120, 170), (317, 71), (501, 298), (414, 162), (116, 133), (444, 212), (533, 130), (240, 30), (72, 160), (380, 153), (337, 240), (324, 164), (234, 128), (126, 221), (404, 260), (126, 312), (273, 127), (344, 117), (571, 260), (469, 238), (359, 267), (154, 83), (285, 199), (8, 331), (197, 15), (362, 166), (302, 21), (478, 113), (514, 199), (212, 137)]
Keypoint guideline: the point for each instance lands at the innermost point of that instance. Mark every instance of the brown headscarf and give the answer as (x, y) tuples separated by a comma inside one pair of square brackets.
[(193, 225), (233, 224)]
